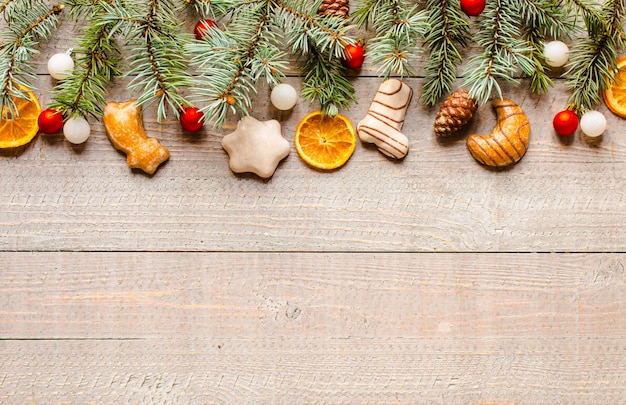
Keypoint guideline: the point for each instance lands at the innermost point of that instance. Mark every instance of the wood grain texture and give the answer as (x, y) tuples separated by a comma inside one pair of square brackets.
[(130, 295), (285, 328), (558, 198), (197, 286), (305, 370)]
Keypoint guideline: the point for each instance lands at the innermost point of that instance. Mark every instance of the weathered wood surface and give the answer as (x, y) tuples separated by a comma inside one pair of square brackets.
[(300, 328), (55, 196), (199, 286)]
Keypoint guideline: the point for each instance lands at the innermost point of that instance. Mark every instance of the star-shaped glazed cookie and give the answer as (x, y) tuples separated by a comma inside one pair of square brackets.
[(256, 146)]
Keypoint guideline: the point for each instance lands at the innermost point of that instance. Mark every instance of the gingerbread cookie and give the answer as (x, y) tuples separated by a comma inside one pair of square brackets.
[(256, 147), (124, 126)]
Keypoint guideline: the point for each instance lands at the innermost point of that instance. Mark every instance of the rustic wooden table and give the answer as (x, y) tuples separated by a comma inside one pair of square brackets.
[(429, 280)]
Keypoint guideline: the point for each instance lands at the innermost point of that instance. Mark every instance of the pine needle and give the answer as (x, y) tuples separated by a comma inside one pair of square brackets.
[(28, 23)]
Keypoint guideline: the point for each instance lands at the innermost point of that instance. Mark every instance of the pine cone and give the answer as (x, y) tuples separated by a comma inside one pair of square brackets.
[(455, 112), (338, 8)]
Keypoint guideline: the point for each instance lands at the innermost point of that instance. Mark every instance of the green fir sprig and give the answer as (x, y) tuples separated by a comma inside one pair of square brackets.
[(152, 31), (97, 57), (399, 26), (304, 28), (208, 8), (592, 65), (542, 19), (28, 23), (4, 5), (318, 71), (322, 67), (232, 60), (448, 32), (587, 11), (504, 52)]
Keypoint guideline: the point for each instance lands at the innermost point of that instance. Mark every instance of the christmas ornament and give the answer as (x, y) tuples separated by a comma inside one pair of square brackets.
[(201, 29), (124, 126), (337, 8), (76, 130), (284, 97), (355, 56), (454, 113), (256, 147), (508, 141), (472, 7), (19, 127), (385, 117), (565, 122), (325, 142), (191, 119), (50, 121), (60, 66), (615, 94), (556, 53), (593, 123)]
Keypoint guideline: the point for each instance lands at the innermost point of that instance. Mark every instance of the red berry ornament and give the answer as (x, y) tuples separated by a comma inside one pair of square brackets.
[(472, 7), (355, 55), (565, 122), (201, 29), (191, 119), (50, 121)]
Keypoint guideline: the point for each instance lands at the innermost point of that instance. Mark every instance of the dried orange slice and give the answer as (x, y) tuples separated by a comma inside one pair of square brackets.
[(22, 128), (325, 142), (615, 95)]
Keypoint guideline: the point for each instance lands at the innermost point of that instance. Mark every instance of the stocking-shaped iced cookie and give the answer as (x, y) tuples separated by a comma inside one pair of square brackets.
[(383, 122)]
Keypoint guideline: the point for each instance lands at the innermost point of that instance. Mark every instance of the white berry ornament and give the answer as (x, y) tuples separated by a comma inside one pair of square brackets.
[(556, 53), (593, 123), (284, 97), (60, 65), (76, 130)]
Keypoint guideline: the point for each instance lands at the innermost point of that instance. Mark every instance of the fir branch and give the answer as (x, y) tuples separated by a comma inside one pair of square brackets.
[(328, 34), (232, 61), (448, 28), (28, 23), (592, 64), (504, 51), (83, 92), (82, 8), (541, 18), (547, 15), (158, 65), (589, 11), (325, 80), (540, 82), (208, 8), (5, 4), (586, 7), (398, 27)]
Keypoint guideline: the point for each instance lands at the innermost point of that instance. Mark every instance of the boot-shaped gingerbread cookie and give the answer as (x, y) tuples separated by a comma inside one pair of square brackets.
[(383, 122)]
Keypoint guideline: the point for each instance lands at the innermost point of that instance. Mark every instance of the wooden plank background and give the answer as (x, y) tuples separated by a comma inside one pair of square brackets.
[(432, 280)]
